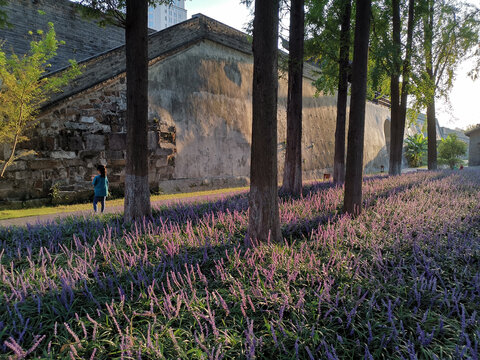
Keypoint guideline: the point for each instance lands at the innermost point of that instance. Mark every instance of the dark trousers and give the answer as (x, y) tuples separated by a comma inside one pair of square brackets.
[(97, 199)]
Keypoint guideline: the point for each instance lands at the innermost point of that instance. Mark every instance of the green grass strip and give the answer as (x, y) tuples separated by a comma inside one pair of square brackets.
[(59, 209)]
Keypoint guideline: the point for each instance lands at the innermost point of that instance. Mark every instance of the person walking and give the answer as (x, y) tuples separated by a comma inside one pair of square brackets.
[(100, 184)]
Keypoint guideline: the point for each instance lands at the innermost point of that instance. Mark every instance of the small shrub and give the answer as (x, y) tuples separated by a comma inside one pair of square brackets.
[(55, 194), (416, 147), (450, 150)]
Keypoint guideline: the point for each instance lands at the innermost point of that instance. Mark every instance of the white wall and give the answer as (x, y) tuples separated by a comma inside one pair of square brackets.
[(163, 16)]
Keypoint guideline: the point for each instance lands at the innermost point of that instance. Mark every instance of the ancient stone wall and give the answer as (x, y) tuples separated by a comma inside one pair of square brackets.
[(200, 129), (83, 38), (74, 136)]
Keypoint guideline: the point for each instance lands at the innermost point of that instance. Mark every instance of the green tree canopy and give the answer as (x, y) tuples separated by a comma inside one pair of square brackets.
[(24, 87), (323, 20), (322, 45), (454, 35), (450, 150)]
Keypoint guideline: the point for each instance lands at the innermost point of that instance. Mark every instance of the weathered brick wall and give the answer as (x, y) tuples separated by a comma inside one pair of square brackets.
[(83, 38), (73, 137)]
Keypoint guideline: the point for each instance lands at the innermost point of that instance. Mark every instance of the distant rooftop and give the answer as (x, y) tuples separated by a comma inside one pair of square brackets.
[(470, 131)]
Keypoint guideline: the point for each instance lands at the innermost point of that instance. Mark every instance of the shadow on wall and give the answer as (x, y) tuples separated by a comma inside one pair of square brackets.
[(381, 158), (212, 115), (375, 165), (386, 130)]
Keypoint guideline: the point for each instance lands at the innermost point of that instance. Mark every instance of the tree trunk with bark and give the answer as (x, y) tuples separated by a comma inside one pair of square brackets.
[(137, 191), (398, 117), (263, 213), (395, 166), (406, 72), (431, 123), (292, 175), (356, 128), (432, 136), (343, 70)]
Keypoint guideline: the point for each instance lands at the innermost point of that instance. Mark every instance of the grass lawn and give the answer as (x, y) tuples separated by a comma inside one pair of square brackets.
[(399, 281), (47, 210)]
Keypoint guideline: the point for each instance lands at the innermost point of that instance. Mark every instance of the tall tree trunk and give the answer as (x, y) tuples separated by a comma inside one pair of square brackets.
[(264, 216), (343, 69), (356, 128), (292, 175), (432, 135), (137, 192), (395, 165), (431, 123), (406, 76)]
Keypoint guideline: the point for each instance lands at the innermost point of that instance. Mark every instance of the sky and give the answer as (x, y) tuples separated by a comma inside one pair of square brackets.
[(229, 12), (465, 94)]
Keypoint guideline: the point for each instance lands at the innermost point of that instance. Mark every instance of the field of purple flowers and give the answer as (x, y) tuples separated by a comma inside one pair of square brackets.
[(400, 281)]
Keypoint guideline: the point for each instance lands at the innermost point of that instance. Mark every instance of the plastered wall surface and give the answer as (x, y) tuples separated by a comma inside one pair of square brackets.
[(206, 92)]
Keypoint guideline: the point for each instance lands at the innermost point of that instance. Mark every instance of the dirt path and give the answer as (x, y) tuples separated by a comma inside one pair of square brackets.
[(32, 220)]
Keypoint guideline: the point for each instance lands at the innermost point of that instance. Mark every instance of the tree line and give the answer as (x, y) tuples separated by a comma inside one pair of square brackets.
[(405, 50)]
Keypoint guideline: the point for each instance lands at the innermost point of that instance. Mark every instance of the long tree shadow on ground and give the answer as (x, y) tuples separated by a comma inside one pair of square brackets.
[(18, 242), (106, 282)]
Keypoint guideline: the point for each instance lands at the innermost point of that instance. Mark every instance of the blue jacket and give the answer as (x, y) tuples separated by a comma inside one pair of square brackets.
[(101, 185)]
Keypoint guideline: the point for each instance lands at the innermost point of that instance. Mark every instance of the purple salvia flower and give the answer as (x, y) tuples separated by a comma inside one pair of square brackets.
[(200, 343), (367, 356), (149, 337), (411, 350), (75, 336), (309, 352), (274, 336), (421, 335), (73, 351), (110, 311), (222, 303), (17, 349), (250, 340), (94, 333)]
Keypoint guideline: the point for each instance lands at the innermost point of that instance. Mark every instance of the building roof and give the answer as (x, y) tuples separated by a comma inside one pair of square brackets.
[(82, 37), (161, 44), (472, 130)]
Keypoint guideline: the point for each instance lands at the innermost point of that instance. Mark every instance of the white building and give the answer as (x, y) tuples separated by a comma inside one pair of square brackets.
[(163, 16)]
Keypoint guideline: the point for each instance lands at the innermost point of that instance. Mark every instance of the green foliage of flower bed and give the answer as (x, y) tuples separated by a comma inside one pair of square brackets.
[(401, 281)]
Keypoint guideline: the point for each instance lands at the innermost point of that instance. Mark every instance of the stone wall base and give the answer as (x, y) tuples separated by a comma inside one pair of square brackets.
[(192, 185)]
